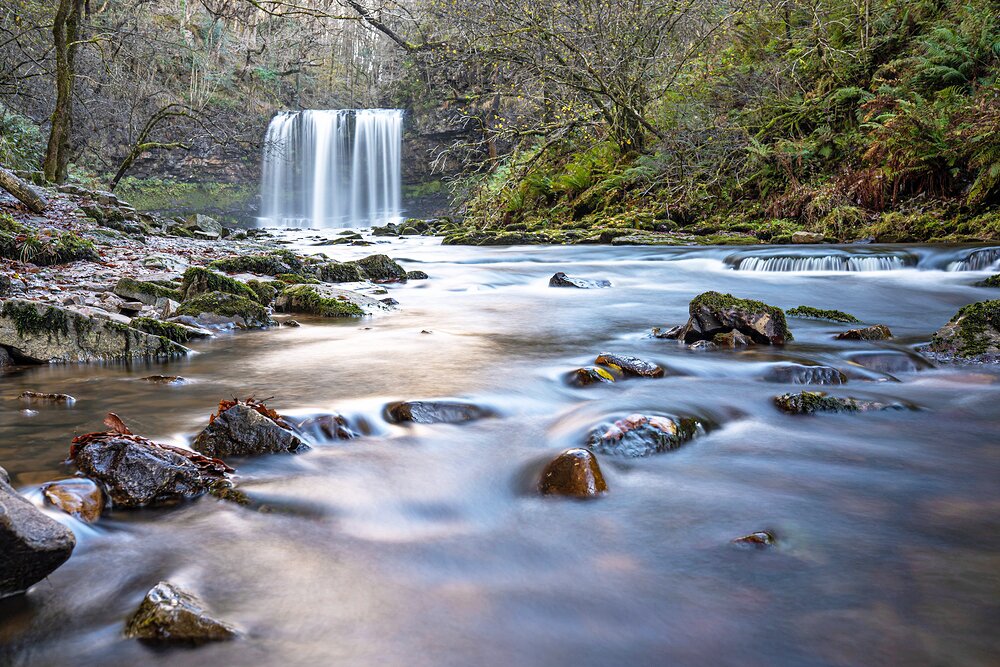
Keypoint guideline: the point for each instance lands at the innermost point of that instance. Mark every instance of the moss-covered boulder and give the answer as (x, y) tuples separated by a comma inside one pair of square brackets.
[(712, 313), (266, 264), (808, 312), (381, 269), (639, 435), (339, 272), (296, 279), (198, 280), (812, 402), (876, 332), (992, 281), (575, 473), (38, 333), (168, 614), (179, 333), (326, 301), (149, 293), (264, 290), (221, 308), (973, 333)]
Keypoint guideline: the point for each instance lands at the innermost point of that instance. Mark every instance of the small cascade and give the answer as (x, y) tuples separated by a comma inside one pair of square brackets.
[(834, 262), (984, 259), (332, 168)]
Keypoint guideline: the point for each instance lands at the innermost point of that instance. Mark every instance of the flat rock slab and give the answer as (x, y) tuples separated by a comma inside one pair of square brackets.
[(47, 334)]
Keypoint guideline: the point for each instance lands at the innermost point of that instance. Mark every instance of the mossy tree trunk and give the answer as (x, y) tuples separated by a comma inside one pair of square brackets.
[(65, 30), (22, 191)]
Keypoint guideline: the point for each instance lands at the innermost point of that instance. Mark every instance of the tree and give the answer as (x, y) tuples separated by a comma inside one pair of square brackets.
[(65, 32)]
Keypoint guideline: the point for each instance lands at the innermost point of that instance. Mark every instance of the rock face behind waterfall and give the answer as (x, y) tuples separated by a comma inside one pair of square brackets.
[(40, 333), (713, 313), (31, 544)]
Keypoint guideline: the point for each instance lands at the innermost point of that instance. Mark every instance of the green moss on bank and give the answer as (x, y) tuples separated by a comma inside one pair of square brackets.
[(227, 305), (304, 298), (168, 330), (29, 321), (821, 314), (198, 280)]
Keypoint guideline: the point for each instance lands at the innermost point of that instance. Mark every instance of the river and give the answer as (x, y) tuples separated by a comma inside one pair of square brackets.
[(423, 544)]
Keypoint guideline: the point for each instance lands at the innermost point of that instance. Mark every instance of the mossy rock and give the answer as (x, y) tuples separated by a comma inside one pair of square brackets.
[(713, 313), (973, 333), (268, 264), (339, 272), (812, 402), (809, 312), (875, 332), (245, 312), (146, 292), (30, 247), (296, 279), (308, 299), (264, 290), (175, 332), (198, 280), (380, 268), (992, 281)]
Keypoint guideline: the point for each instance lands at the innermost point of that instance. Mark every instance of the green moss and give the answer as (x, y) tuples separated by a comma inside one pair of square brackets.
[(198, 280), (127, 285), (992, 281), (269, 264), (339, 272), (167, 330), (810, 402), (381, 268), (29, 321), (153, 194), (296, 279), (303, 298), (264, 291), (227, 305), (974, 328), (820, 314)]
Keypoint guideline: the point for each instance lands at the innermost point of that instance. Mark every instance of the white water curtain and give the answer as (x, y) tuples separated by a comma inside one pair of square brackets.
[(332, 168)]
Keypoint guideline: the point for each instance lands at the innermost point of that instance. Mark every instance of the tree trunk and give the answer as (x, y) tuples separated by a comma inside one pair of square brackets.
[(65, 30), (24, 193)]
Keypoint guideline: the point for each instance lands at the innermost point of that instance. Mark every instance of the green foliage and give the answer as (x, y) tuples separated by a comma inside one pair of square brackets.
[(21, 141)]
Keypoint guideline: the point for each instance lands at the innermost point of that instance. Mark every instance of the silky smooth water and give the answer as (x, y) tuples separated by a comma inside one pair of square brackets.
[(423, 545), (332, 168)]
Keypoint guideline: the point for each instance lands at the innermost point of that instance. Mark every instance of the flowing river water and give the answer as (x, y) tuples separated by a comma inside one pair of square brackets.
[(423, 545)]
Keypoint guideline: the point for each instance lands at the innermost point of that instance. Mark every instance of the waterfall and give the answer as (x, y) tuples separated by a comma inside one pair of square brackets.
[(843, 262), (332, 168), (978, 260)]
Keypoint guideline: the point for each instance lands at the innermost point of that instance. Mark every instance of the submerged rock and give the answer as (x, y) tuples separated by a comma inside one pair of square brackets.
[(589, 375), (574, 473), (434, 412), (876, 332), (77, 496), (811, 402), (562, 280), (164, 379), (641, 435), (890, 361), (416, 275), (801, 374), (32, 545), (246, 428), (326, 428), (759, 540), (136, 472), (629, 365), (712, 313), (973, 333), (169, 614), (39, 333), (38, 397)]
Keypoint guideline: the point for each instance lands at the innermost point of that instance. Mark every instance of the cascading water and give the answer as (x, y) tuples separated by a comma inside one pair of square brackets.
[(336, 168), (821, 263), (977, 260)]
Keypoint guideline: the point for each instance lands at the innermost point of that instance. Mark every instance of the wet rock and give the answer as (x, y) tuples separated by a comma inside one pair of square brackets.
[(49, 334), (290, 323), (630, 365), (712, 313), (221, 309), (147, 293), (80, 497), (416, 275), (38, 397), (164, 379), (703, 345), (992, 281), (271, 263), (168, 614), (589, 375), (175, 331), (890, 362), (164, 262), (574, 473), (732, 340), (209, 227), (973, 333), (811, 402), (32, 545), (135, 472), (326, 428), (673, 333), (808, 312), (339, 272), (759, 540), (130, 308), (198, 281), (392, 303), (327, 301), (562, 280), (434, 412), (807, 237), (5, 285), (642, 435), (876, 332), (246, 428), (381, 269)]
